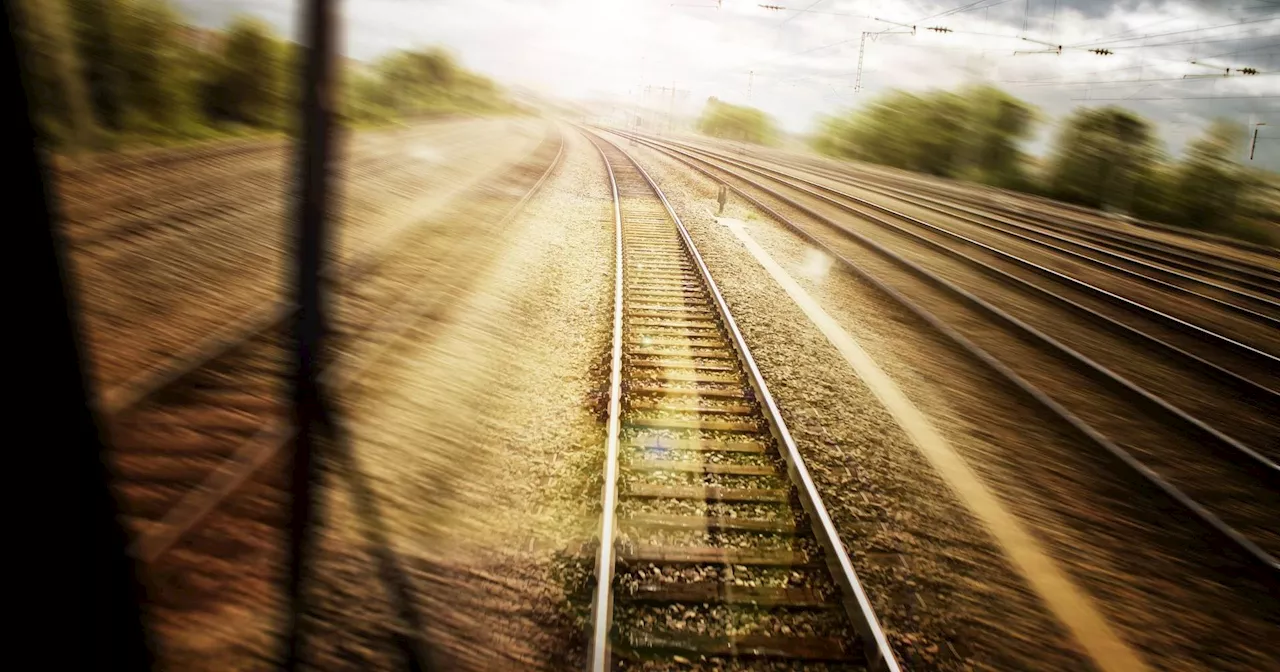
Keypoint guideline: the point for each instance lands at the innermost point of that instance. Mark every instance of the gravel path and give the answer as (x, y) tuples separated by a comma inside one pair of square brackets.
[(216, 600), (483, 440), (1091, 521)]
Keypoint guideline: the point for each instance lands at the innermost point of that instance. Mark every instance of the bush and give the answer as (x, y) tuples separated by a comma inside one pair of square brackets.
[(973, 134), (736, 122)]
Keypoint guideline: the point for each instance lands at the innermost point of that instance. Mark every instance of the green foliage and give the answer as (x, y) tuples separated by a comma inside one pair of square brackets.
[(246, 86), (1101, 157), (407, 83), (156, 92), (972, 134), (104, 73), (1209, 180), (96, 41), (736, 122), (59, 101)]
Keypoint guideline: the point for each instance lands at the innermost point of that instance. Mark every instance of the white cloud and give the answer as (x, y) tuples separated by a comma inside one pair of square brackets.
[(806, 65)]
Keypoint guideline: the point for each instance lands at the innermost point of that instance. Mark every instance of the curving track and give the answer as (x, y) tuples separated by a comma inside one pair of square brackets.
[(714, 543), (1226, 484)]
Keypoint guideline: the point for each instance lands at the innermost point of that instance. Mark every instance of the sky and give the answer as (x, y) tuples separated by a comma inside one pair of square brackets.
[(798, 65)]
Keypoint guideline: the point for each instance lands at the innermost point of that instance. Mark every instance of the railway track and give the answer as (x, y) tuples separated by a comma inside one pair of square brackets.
[(715, 545), (206, 433), (1250, 293), (224, 192), (1226, 486), (1249, 321), (183, 283), (1240, 371), (1082, 224)]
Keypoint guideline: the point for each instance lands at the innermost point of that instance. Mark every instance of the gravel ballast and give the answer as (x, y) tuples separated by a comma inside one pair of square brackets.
[(483, 442), (1098, 528), (211, 253)]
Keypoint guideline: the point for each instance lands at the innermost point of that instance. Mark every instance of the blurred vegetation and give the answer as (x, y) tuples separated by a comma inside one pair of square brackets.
[(104, 74), (1108, 158), (973, 134), (736, 122), (411, 83)]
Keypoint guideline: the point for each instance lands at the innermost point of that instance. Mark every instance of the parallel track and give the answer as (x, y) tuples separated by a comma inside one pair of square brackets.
[(188, 439), (715, 545), (1078, 223), (232, 190), (1236, 381), (1230, 483), (1196, 309), (1249, 295)]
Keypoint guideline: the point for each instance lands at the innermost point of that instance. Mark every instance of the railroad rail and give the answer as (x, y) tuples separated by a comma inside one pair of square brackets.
[(1192, 325), (708, 509), (1238, 380), (159, 209), (1082, 222), (1124, 255), (187, 438), (1171, 464)]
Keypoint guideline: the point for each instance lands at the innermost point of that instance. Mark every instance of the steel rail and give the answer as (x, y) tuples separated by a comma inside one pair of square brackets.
[(122, 397), (1262, 357), (111, 227), (1039, 223), (256, 452), (1264, 562), (1231, 447), (1086, 227), (1227, 376), (968, 215), (600, 653), (855, 602)]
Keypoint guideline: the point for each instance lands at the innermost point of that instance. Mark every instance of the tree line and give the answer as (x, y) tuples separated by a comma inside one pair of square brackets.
[(736, 122), (1106, 157), (105, 73)]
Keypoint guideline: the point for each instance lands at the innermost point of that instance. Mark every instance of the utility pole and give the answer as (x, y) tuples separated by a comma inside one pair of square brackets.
[(862, 49), (751, 78), (671, 106), (1254, 145)]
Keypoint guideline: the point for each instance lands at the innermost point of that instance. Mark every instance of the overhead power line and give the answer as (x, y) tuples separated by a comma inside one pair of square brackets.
[(781, 8), (1186, 98), (1182, 42), (1098, 82), (811, 6), (1175, 32)]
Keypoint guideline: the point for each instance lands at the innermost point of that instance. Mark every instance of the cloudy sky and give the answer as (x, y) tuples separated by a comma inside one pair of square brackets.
[(797, 65)]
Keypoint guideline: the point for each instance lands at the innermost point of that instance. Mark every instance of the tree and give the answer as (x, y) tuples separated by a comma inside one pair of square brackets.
[(247, 83), (60, 103), (415, 82), (157, 90), (735, 122), (998, 124), (97, 42), (974, 133), (1102, 158), (1209, 179)]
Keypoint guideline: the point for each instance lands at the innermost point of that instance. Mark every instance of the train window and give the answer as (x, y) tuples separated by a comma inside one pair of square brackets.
[(631, 335)]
